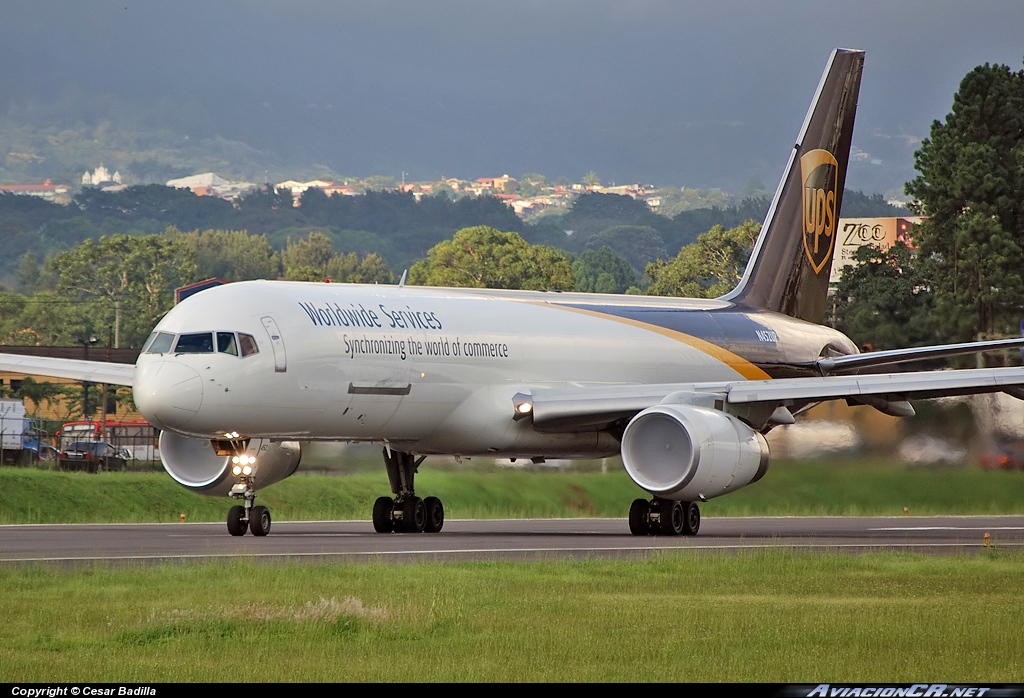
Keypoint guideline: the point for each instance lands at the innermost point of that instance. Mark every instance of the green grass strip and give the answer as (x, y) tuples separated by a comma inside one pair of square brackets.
[(852, 486), (776, 616)]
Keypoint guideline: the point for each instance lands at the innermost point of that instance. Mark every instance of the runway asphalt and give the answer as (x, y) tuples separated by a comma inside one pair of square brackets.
[(507, 539)]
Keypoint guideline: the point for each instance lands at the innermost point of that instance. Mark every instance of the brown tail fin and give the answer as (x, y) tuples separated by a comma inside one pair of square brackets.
[(789, 268)]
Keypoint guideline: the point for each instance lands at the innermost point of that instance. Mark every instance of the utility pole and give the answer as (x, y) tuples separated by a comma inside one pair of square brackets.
[(85, 341)]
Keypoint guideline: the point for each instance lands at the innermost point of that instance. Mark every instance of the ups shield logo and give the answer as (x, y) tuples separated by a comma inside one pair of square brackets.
[(819, 171)]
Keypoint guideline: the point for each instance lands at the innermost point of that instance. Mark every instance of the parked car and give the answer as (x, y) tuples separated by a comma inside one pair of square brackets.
[(93, 456), (34, 448)]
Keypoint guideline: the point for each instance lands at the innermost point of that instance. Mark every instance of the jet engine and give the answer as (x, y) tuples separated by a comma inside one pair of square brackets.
[(193, 463), (689, 453)]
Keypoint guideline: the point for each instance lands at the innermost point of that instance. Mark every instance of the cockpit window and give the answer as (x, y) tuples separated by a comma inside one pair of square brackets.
[(247, 343), (200, 343), (226, 343), (159, 343)]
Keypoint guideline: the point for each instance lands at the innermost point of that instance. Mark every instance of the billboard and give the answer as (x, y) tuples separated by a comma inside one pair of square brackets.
[(880, 232)]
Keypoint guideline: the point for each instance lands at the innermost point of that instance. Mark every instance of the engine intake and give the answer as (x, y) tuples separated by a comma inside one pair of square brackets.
[(691, 453), (193, 463)]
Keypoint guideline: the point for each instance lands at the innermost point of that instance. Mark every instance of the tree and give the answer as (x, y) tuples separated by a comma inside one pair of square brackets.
[(133, 276), (12, 307), (267, 198), (37, 392), (28, 273), (881, 300), (349, 268), (602, 272), (314, 259), (443, 189), (531, 184), (52, 319), (639, 245), (970, 188), (707, 268), (484, 257), (306, 260), (232, 255), (591, 179)]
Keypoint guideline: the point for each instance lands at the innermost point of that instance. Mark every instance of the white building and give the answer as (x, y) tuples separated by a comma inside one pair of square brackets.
[(101, 175)]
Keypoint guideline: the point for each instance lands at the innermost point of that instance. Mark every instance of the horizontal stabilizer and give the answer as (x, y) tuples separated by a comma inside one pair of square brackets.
[(838, 364)]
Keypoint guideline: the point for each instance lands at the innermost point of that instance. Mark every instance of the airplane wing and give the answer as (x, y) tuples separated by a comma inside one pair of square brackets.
[(90, 371), (570, 409)]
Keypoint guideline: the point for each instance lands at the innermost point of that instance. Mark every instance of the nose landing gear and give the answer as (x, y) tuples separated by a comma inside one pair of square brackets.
[(254, 518)]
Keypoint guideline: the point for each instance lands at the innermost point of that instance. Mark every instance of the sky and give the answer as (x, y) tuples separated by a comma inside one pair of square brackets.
[(685, 93)]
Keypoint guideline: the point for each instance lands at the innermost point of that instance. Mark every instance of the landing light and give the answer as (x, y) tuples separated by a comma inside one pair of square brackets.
[(522, 406), (242, 465)]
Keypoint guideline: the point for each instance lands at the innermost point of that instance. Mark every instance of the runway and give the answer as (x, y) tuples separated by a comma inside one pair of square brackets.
[(507, 539)]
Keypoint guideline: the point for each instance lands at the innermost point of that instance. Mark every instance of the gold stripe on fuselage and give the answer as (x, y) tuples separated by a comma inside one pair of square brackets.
[(733, 361)]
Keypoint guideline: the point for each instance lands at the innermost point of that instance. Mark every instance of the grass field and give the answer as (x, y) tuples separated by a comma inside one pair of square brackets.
[(839, 486), (769, 616), (775, 616)]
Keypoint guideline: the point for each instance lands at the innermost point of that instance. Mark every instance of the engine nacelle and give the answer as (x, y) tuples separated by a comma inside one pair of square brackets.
[(194, 464), (691, 453)]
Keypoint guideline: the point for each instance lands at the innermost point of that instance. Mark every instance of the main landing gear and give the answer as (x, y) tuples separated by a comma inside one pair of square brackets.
[(663, 517), (406, 512), (254, 518)]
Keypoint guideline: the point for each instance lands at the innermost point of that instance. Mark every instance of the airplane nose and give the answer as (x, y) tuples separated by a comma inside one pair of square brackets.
[(168, 394)]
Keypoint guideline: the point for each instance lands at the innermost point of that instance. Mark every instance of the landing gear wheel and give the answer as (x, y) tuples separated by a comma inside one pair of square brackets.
[(414, 515), (259, 521), (382, 517), (691, 519), (236, 521), (639, 521), (435, 515), (672, 518)]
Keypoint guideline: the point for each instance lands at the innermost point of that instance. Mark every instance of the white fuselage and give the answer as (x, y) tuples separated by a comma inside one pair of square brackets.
[(429, 370)]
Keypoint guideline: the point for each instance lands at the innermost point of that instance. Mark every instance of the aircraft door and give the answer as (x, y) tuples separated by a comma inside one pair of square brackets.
[(277, 343)]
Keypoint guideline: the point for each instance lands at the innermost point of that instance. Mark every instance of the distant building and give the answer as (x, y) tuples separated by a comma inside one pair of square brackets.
[(57, 193), (210, 184), (503, 183), (101, 175), (342, 189), (298, 188), (633, 190)]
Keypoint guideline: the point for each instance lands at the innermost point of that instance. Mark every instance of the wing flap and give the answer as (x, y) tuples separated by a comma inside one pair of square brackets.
[(90, 371)]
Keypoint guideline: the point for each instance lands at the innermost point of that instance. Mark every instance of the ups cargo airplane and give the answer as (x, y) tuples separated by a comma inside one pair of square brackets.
[(238, 376)]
